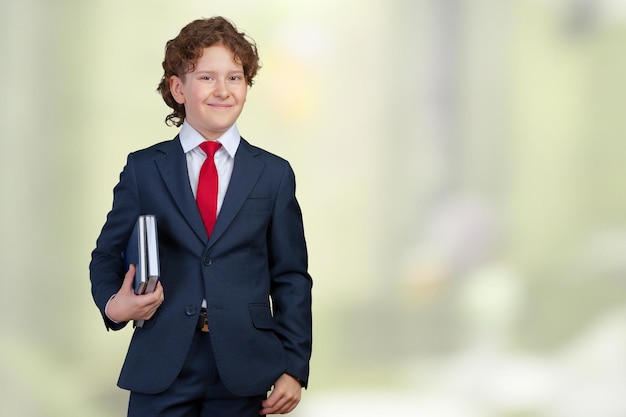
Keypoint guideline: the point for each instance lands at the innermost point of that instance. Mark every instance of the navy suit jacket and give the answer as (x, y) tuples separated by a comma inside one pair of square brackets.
[(252, 271)]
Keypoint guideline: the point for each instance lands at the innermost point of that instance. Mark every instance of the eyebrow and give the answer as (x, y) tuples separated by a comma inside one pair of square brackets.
[(209, 71)]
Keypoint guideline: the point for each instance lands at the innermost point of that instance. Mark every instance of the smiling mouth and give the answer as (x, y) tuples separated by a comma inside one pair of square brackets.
[(220, 106)]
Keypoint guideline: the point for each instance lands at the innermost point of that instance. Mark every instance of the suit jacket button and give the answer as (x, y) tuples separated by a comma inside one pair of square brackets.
[(191, 310), (207, 261)]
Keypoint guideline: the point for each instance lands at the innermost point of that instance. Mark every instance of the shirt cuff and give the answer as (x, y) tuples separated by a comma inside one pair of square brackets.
[(106, 307)]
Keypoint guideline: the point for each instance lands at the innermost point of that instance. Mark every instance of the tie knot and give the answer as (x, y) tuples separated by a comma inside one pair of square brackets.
[(210, 147)]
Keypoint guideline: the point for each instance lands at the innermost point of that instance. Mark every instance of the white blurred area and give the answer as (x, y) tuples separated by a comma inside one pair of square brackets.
[(460, 167)]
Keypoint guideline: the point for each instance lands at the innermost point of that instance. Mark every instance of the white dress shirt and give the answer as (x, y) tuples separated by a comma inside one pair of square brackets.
[(190, 140)]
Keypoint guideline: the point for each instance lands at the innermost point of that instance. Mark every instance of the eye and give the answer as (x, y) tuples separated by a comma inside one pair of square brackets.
[(236, 77), (206, 77)]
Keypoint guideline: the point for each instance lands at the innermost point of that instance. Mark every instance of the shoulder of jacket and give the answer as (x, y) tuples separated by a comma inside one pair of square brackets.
[(158, 148), (260, 152)]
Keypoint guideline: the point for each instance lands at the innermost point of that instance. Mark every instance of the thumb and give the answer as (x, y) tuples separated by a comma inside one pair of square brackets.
[(129, 279)]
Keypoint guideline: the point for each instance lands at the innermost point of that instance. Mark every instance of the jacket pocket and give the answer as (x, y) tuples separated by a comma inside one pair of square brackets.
[(261, 316), (256, 205)]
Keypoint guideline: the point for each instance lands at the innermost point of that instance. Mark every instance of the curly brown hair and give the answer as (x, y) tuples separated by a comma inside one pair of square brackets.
[(182, 54)]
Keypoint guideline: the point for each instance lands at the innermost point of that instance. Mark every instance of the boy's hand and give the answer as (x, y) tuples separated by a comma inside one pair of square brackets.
[(284, 397), (127, 306)]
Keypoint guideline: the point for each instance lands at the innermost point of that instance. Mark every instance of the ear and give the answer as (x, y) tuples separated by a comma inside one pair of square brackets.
[(176, 88)]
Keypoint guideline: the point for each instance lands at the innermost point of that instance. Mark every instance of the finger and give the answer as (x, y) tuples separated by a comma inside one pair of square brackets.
[(287, 408), (270, 401), (278, 407), (159, 289), (156, 297), (274, 400), (149, 314), (149, 310)]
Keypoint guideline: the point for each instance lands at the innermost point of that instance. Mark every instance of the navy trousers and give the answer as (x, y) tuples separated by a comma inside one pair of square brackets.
[(197, 392)]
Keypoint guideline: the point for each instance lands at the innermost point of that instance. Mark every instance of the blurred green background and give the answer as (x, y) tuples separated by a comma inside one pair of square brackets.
[(460, 167)]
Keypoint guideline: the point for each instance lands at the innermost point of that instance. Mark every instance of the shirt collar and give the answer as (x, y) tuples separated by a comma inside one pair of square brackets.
[(191, 139)]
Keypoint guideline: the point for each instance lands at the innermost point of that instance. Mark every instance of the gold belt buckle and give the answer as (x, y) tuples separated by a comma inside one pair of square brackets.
[(205, 323)]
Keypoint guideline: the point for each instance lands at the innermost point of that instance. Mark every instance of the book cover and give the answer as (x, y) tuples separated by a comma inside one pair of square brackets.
[(143, 252), (152, 253)]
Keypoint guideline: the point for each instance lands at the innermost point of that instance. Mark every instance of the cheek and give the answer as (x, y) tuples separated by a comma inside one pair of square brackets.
[(198, 96), (243, 96)]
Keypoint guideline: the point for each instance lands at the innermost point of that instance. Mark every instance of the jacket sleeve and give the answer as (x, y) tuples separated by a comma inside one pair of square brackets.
[(106, 268), (290, 281)]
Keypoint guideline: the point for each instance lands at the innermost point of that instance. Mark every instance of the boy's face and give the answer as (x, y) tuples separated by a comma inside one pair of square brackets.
[(213, 94)]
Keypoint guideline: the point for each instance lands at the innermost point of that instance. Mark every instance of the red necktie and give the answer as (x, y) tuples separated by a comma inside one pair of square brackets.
[(206, 196)]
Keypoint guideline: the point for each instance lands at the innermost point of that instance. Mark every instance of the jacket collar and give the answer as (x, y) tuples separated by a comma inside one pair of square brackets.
[(172, 165)]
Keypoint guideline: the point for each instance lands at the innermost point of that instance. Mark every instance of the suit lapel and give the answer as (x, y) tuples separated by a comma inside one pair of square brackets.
[(246, 172), (173, 168)]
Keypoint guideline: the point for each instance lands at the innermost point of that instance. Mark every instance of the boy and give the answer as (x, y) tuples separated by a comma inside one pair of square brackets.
[(232, 318)]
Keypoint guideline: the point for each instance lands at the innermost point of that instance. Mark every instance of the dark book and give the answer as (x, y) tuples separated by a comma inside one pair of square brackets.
[(143, 252)]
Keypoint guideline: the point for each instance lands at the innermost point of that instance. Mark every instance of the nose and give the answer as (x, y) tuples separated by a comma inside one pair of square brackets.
[(221, 89)]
